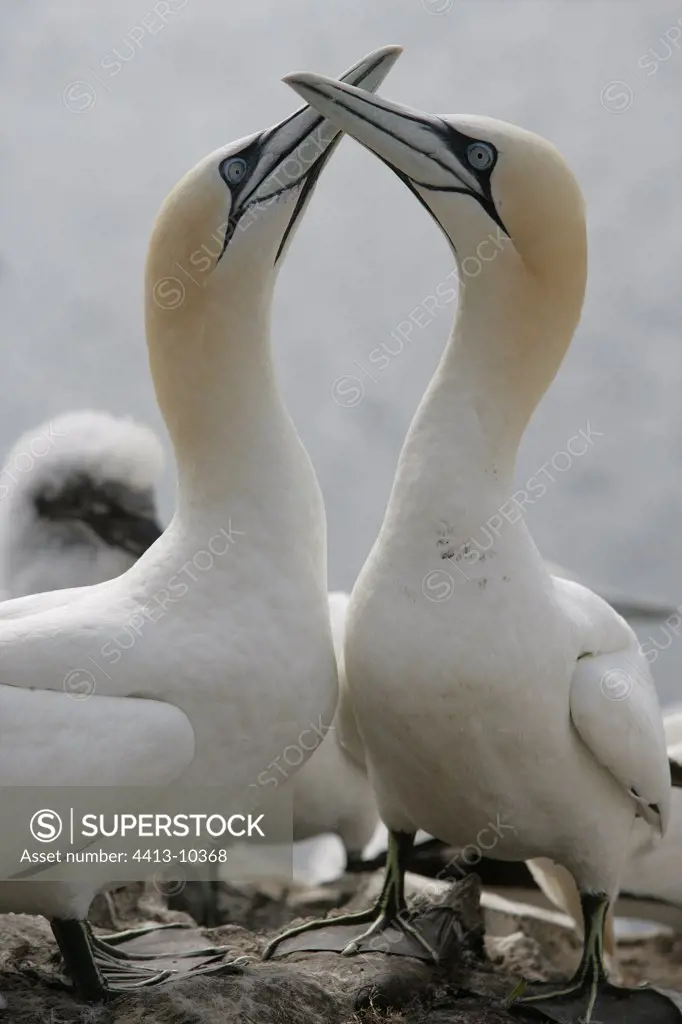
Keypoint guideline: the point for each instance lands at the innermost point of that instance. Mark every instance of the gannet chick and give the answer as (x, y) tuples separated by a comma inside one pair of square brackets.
[(77, 502), (653, 870), (331, 791), (232, 672), (480, 696)]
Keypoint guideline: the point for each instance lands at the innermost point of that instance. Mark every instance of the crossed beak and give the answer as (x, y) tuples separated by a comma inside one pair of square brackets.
[(294, 152), (421, 148)]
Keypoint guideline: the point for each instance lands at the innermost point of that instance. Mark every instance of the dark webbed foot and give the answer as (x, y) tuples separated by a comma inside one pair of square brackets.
[(589, 998), (389, 921), (609, 1004)]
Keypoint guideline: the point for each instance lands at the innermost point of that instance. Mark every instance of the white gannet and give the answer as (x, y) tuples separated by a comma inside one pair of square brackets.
[(480, 695), (653, 871), (627, 605), (77, 502), (233, 670), (331, 791)]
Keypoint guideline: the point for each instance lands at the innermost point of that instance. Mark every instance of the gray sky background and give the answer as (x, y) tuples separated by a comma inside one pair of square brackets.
[(81, 187)]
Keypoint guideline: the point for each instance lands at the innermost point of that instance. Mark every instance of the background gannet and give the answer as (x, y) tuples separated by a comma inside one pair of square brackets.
[(77, 502), (234, 670), (331, 791), (480, 696), (628, 605)]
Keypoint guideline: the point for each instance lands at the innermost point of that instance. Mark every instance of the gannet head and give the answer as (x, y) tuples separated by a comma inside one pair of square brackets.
[(77, 501), (234, 214), (499, 193)]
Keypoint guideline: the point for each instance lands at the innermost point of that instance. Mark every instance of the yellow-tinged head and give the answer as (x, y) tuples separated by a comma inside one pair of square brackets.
[(234, 214), (491, 186)]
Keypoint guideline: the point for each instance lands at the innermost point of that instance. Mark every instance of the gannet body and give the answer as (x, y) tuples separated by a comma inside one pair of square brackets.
[(482, 697), (77, 502), (241, 659), (331, 791)]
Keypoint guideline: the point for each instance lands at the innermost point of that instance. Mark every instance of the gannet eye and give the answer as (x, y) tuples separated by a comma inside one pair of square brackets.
[(234, 170), (480, 155)]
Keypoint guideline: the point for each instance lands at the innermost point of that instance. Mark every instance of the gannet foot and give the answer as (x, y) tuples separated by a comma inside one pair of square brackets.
[(340, 921), (601, 1003), (589, 998), (100, 970), (390, 910), (381, 928), (116, 938), (109, 947)]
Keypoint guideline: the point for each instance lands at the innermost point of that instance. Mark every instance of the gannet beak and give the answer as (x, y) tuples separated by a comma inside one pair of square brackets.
[(423, 149), (294, 152)]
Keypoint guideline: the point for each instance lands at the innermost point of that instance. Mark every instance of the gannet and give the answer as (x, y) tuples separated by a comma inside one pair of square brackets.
[(480, 697), (628, 605), (653, 871), (234, 669), (77, 502), (331, 791)]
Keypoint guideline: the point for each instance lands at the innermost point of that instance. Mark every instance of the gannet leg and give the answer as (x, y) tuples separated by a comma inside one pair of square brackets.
[(353, 861), (389, 911), (209, 889), (589, 998), (74, 945), (96, 980)]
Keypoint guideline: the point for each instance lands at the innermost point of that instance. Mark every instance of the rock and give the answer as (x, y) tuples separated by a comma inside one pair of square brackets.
[(317, 987)]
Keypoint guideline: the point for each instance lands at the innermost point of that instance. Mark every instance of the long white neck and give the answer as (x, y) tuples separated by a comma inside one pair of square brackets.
[(215, 382), (511, 332)]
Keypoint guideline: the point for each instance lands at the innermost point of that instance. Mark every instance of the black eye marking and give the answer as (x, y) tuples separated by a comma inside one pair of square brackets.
[(235, 171), (476, 154), (459, 145)]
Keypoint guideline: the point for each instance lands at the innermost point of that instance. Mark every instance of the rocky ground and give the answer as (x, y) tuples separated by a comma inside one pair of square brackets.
[(319, 987)]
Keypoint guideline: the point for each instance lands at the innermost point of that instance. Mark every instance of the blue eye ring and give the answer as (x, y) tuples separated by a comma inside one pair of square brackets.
[(481, 156), (234, 170)]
